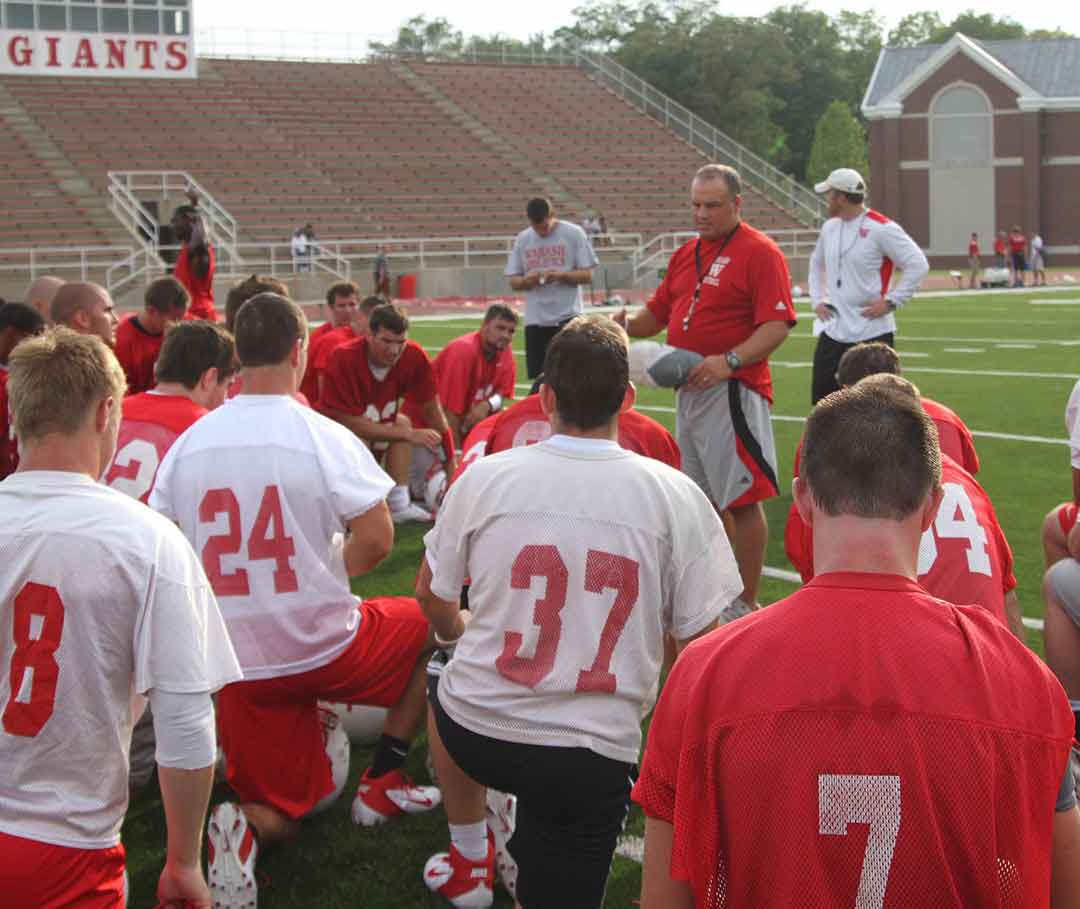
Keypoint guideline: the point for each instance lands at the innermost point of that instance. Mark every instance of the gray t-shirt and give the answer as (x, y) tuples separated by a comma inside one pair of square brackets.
[(565, 248)]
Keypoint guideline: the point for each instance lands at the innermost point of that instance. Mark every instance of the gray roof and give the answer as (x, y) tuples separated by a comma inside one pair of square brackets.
[(1051, 67)]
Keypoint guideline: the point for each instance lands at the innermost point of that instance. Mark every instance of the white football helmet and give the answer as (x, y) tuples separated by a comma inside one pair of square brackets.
[(362, 724), (337, 752)]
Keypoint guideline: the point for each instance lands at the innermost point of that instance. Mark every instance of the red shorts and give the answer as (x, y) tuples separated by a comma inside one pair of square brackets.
[(36, 875), (270, 729), (1066, 515)]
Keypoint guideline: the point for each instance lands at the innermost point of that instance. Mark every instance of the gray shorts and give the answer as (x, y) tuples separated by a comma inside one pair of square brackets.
[(726, 439), (1064, 580)]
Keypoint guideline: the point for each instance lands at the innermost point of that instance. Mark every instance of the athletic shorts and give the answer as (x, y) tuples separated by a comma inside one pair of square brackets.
[(270, 729), (36, 875), (1064, 580), (726, 439), (1037, 262), (1066, 515), (572, 806)]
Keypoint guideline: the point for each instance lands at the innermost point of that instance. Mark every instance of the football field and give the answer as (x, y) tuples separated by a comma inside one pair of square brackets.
[(1006, 362)]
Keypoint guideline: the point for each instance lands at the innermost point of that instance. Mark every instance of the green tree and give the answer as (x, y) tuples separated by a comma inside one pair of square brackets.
[(978, 25), (424, 37), (915, 28), (839, 141)]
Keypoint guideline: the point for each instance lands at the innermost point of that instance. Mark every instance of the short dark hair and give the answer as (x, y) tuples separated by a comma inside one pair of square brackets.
[(267, 327), (22, 317), (537, 210), (369, 303), (867, 359), (587, 366), (240, 293), (166, 295), (389, 316), (500, 311), (870, 451), (341, 289), (191, 348)]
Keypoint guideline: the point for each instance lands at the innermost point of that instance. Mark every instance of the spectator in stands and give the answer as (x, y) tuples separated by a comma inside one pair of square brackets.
[(549, 261), (1038, 262), (17, 322), (900, 699), (381, 274), (591, 226), (1017, 257), (726, 296), (973, 261), (299, 245), (603, 237), (139, 337), (363, 386), (196, 261), (40, 294), (240, 293), (850, 272), (85, 308), (1001, 246)]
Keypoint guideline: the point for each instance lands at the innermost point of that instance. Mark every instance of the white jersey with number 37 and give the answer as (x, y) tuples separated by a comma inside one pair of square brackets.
[(100, 600), (580, 556), (260, 487)]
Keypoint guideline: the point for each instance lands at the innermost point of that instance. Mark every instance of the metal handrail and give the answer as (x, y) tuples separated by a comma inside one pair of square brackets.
[(651, 256), (41, 260)]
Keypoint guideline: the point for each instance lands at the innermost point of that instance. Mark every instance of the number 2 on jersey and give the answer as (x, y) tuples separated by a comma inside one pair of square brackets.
[(267, 541), (38, 623), (603, 570)]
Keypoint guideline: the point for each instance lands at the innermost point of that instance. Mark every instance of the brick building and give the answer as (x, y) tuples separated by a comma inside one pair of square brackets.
[(978, 136)]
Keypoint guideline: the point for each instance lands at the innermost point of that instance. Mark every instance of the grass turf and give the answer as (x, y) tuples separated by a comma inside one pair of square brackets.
[(951, 347)]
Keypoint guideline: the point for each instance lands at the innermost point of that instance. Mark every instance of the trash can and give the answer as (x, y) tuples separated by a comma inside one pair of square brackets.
[(407, 287)]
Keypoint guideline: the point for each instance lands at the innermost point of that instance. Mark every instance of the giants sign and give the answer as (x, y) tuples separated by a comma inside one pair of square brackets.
[(36, 53)]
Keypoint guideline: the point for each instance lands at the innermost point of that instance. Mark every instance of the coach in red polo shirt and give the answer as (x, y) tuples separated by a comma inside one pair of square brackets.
[(727, 296)]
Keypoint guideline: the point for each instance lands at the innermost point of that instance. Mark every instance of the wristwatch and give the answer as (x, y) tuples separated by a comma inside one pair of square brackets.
[(733, 360)]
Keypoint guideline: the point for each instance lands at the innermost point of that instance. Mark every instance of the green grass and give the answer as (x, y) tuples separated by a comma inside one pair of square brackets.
[(334, 864)]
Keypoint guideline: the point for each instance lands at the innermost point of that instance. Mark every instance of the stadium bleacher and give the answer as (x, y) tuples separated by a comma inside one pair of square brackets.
[(361, 150)]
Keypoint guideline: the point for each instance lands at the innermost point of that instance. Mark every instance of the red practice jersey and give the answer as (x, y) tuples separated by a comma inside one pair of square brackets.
[(526, 423), (9, 448), (320, 348), (150, 425), (465, 376), (954, 436), (742, 286), (201, 289), (882, 748), (137, 350), (474, 445), (349, 385), (1017, 242), (963, 556), (973, 248)]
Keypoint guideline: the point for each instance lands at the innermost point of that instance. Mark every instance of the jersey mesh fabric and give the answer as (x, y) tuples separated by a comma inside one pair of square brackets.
[(572, 589), (101, 599), (260, 487), (882, 749)]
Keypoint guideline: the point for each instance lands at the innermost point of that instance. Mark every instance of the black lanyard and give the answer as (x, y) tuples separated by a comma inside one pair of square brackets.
[(701, 275)]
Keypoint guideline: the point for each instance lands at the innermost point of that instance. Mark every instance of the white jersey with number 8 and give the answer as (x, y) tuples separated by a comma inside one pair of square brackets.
[(581, 555)]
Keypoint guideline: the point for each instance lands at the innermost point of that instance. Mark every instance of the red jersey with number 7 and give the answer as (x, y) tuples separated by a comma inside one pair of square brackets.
[(881, 748), (263, 488), (150, 424)]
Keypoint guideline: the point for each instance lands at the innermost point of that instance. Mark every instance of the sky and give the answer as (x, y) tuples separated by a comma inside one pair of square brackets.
[(486, 17)]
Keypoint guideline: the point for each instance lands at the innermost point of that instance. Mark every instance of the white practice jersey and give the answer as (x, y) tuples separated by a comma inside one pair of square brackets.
[(101, 600), (1072, 424), (580, 556), (260, 486)]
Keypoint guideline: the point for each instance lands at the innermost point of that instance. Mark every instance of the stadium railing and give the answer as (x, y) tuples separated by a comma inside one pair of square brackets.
[(73, 263)]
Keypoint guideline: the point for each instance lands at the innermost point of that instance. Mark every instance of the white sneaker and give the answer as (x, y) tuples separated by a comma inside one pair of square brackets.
[(412, 512), (501, 820), (230, 859)]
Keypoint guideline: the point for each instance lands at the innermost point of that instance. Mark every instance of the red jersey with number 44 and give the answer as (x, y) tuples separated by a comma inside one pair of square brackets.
[(350, 386), (882, 748), (963, 556), (150, 424), (260, 487), (743, 285)]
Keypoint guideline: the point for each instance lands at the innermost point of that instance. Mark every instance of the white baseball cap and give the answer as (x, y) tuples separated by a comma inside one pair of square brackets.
[(843, 179)]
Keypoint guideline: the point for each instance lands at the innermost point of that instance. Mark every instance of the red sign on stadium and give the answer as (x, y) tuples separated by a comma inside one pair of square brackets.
[(38, 53)]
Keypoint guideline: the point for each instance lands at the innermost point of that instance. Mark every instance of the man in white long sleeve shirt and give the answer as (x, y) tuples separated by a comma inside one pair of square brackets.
[(850, 271)]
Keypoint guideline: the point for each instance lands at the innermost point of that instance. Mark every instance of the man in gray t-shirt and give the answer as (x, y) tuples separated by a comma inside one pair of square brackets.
[(550, 261)]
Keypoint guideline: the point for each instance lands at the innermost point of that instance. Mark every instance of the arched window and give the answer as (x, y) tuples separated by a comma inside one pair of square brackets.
[(960, 134)]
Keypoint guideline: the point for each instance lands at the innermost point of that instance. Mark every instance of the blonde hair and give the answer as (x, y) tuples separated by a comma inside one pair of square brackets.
[(54, 380)]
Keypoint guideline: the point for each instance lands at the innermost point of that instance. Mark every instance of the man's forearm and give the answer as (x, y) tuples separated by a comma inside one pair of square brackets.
[(185, 795), (642, 324), (369, 430), (444, 615), (521, 282), (765, 339), (454, 421), (575, 276)]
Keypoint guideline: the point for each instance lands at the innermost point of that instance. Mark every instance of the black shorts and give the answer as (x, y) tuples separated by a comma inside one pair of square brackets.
[(537, 339), (572, 805)]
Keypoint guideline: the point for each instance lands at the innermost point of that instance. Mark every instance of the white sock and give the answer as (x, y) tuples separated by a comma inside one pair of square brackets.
[(398, 500), (470, 840), (1075, 705)]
